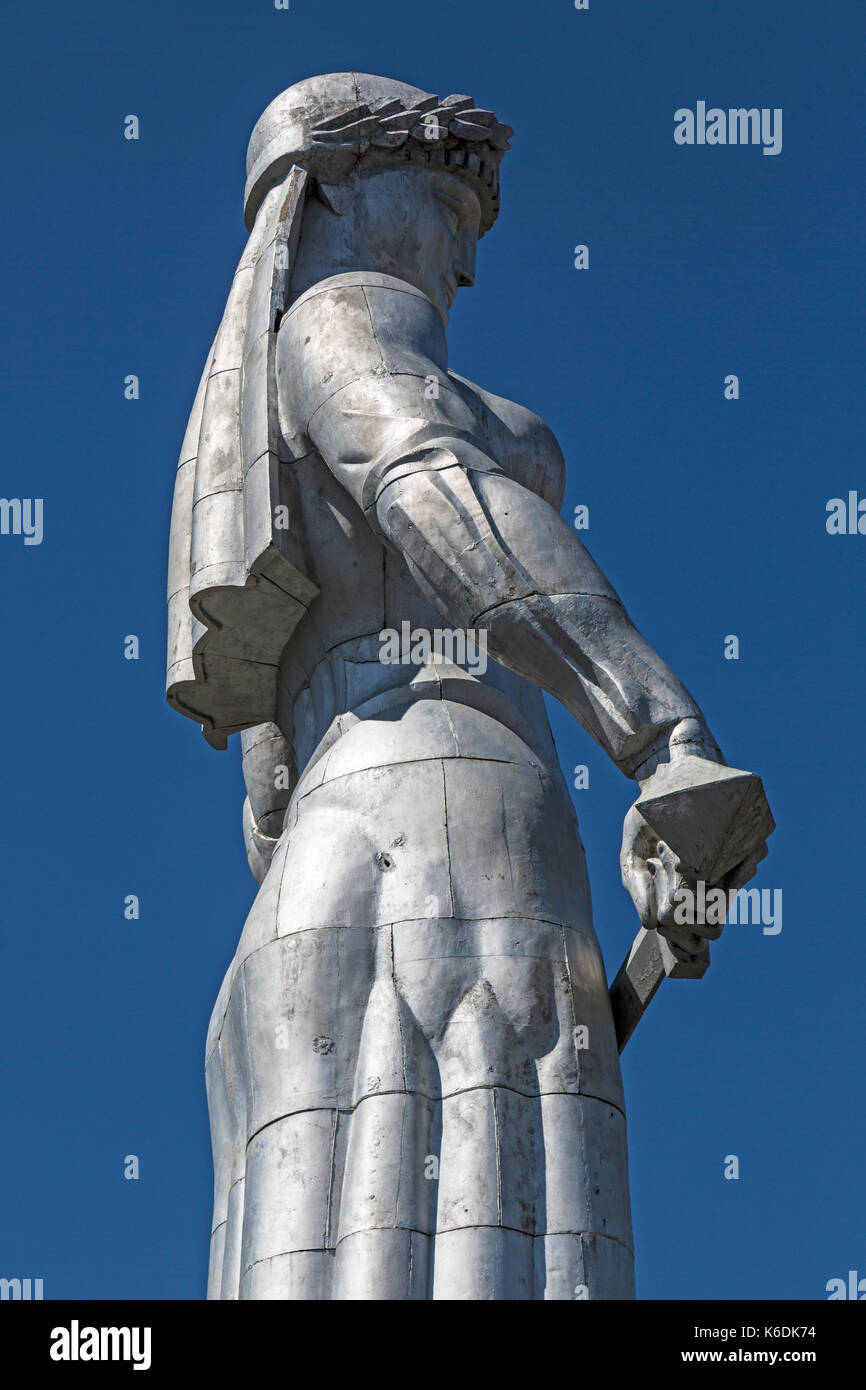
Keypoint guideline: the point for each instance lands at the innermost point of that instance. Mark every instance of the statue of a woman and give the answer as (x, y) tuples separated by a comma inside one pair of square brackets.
[(413, 1075)]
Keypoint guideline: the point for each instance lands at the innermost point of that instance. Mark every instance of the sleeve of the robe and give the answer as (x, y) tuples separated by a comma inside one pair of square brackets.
[(363, 379)]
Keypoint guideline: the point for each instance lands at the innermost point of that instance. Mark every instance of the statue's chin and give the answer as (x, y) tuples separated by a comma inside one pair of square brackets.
[(438, 293)]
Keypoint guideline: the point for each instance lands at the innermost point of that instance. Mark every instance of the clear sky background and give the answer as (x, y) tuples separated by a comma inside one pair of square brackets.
[(707, 515)]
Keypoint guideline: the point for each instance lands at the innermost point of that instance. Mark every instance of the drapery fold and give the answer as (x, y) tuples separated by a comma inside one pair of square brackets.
[(239, 579)]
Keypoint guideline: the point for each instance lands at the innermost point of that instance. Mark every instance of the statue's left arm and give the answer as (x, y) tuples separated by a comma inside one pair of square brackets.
[(363, 378)]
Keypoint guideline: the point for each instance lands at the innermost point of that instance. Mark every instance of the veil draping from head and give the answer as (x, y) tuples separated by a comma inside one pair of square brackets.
[(240, 575), (237, 584)]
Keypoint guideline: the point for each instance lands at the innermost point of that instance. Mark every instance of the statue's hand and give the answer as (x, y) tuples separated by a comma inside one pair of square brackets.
[(655, 878)]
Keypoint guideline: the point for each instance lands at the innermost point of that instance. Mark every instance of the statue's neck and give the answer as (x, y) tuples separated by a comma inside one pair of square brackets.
[(331, 245)]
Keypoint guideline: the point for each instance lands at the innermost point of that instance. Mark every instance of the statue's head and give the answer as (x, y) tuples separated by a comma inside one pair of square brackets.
[(403, 182)]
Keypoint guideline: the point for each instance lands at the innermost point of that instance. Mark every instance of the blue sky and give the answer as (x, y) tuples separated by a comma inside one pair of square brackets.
[(707, 515)]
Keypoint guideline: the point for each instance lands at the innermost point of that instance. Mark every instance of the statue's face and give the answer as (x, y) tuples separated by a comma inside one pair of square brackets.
[(418, 225)]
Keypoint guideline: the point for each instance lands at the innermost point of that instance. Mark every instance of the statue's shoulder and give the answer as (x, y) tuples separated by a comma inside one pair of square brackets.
[(527, 445), (373, 280), (367, 310), (363, 324), (354, 325)]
